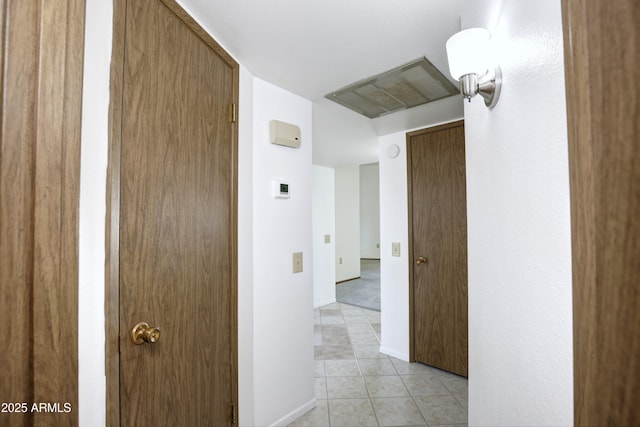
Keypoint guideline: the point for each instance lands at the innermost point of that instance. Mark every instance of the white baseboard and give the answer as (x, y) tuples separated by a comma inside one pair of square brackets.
[(328, 301), (294, 415), (393, 353)]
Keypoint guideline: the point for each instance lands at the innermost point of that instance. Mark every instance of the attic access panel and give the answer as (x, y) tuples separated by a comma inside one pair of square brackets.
[(415, 83)]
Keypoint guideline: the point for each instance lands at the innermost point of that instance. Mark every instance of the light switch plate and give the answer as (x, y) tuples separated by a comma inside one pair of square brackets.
[(327, 238), (297, 262), (395, 248)]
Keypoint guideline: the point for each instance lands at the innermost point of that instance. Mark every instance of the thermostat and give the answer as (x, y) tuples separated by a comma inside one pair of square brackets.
[(281, 190)]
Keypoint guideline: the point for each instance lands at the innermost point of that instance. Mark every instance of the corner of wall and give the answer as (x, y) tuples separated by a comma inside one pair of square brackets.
[(394, 271), (347, 191), (324, 254), (282, 300), (246, 354)]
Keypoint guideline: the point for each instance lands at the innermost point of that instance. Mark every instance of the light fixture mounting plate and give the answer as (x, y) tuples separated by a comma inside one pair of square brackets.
[(489, 86)]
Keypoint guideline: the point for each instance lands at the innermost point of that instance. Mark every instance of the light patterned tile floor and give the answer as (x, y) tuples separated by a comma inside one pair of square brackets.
[(356, 385)]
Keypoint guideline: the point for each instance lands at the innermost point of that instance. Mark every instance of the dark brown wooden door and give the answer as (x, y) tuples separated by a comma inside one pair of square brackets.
[(438, 246), (177, 224)]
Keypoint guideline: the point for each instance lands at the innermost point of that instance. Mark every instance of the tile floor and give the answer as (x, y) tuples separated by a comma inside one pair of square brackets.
[(355, 385)]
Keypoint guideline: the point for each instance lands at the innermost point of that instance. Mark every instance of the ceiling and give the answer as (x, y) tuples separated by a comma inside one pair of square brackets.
[(313, 47)]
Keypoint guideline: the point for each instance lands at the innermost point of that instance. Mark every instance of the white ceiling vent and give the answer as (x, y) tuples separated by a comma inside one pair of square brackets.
[(409, 85)]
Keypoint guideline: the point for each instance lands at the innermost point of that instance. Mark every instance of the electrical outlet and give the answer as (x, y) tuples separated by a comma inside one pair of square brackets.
[(297, 262), (340, 260), (327, 238), (395, 248), (377, 245)]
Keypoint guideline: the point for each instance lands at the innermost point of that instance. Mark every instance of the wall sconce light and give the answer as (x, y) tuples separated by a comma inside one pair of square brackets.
[(468, 56)]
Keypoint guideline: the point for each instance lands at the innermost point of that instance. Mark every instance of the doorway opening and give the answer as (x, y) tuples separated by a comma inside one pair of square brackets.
[(357, 191), (365, 291)]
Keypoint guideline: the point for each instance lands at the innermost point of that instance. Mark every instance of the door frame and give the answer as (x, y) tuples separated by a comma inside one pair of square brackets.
[(42, 73), (601, 40), (410, 253), (112, 270)]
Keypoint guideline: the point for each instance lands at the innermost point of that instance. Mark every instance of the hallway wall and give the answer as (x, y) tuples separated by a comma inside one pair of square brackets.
[(394, 271), (519, 241), (520, 294), (519, 256), (283, 339)]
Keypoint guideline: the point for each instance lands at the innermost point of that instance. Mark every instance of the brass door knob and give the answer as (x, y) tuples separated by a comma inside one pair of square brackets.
[(142, 333), (421, 260)]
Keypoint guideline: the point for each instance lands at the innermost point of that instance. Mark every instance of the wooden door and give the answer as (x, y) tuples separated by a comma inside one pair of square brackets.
[(602, 69), (438, 246), (177, 222), (40, 122)]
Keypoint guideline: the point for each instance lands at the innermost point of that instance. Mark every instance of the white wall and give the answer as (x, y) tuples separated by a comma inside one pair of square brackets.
[(283, 308), (246, 351), (347, 223), (520, 309), (520, 306), (324, 223), (93, 177), (339, 130), (370, 211), (394, 271)]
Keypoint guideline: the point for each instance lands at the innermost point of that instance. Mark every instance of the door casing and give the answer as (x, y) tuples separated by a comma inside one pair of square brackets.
[(40, 137), (602, 59)]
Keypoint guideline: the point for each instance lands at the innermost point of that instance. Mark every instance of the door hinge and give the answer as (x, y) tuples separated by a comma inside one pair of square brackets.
[(234, 413), (233, 117)]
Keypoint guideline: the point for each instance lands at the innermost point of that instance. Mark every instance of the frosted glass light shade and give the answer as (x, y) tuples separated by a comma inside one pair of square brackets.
[(467, 52)]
